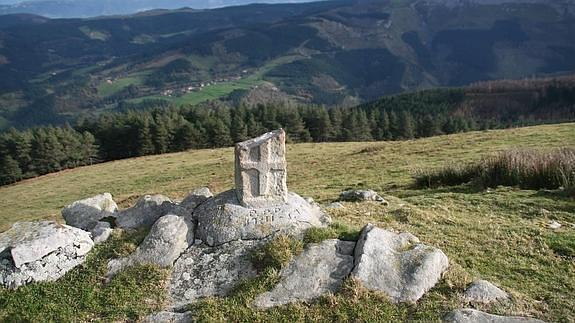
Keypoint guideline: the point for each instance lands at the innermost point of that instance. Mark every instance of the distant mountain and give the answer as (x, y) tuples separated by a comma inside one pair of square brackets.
[(93, 8), (341, 52)]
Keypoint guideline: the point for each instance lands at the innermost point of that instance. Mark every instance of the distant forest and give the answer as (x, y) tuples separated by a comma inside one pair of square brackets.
[(152, 127)]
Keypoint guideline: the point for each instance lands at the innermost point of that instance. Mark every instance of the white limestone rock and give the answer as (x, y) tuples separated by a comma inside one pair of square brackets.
[(169, 237), (196, 197), (223, 219), (361, 196), (168, 317), (86, 213), (204, 271), (145, 213), (335, 206), (397, 264), (475, 316), (40, 251), (482, 291), (320, 269), (101, 232)]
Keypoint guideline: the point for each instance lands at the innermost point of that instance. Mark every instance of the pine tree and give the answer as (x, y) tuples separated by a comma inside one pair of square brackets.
[(219, 134), (239, 128), (384, 125), (161, 137), (407, 125), (394, 125), (145, 143), (362, 131), (10, 172), (429, 126), (336, 119), (88, 148)]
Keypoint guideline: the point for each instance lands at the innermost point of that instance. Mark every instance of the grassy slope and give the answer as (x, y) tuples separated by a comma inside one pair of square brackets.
[(498, 235)]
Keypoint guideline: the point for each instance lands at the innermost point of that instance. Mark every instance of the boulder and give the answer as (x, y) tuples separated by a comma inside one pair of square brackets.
[(554, 225), (40, 251), (204, 271), (397, 264), (475, 316), (482, 291), (196, 197), (361, 196), (223, 219), (101, 232), (86, 213), (145, 213), (169, 237), (168, 317), (320, 269)]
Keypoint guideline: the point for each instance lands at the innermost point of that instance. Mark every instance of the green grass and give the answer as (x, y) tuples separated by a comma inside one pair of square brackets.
[(82, 295), (498, 234), (105, 89)]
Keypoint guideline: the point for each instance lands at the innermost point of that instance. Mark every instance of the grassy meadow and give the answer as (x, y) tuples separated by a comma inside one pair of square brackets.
[(499, 234)]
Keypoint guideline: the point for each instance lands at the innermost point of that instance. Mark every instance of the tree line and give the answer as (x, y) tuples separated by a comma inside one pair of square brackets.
[(138, 132)]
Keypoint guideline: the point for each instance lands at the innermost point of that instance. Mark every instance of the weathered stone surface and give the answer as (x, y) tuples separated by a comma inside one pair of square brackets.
[(482, 291), (223, 219), (204, 271), (320, 269), (101, 232), (40, 251), (397, 264), (169, 317), (86, 213), (145, 213), (195, 198), (554, 225), (169, 237), (361, 196), (261, 170), (335, 205), (475, 316)]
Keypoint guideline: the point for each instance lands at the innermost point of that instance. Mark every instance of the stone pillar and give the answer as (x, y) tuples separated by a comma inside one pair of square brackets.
[(261, 170)]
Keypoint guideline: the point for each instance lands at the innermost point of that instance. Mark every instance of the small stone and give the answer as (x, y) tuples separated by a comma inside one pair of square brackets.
[(195, 198), (397, 264), (475, 316), (214, 271), (482, 291), (320, 269), (101, 232), (145, 213), (169, 317), (335, 205), (86, 213), (554, 225), (40, 251), (361, 196), (170, 236)]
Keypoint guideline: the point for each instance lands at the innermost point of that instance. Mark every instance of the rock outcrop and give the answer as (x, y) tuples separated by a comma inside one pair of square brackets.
[(169, 237), (195, 198), (204, 271), (147, 210), (86, 213), (320, 269), (40, 251), (397, 264), (475, 316), (223, 219), (482, 291), (101, 232)]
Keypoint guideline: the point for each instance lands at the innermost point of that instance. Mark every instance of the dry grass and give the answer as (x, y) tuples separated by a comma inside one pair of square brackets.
[(499, 234), (528, 169)]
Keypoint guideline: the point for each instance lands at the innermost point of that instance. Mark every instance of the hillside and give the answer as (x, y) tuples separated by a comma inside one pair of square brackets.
[(334, 52), (498, 234), (93, 8)]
